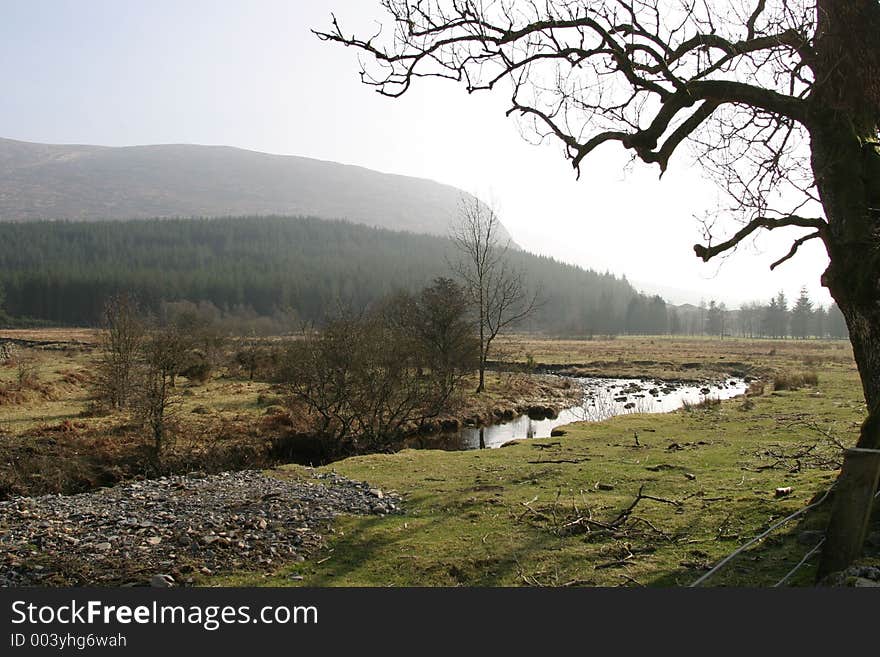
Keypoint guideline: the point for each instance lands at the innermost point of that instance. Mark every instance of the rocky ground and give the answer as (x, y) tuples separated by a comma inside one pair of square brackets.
[(174, 528)]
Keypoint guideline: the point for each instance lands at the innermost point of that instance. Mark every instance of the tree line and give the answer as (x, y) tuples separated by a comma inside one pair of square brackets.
[(280, 268), (775, 318)]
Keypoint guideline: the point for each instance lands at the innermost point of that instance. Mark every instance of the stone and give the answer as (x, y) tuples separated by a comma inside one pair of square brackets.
[(176, 525), (162, 581)]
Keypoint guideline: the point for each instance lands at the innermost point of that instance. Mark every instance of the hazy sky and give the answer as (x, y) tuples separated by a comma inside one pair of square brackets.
[(250, 74)]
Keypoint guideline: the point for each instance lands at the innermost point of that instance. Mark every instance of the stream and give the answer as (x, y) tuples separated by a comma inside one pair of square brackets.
[(602, 398)]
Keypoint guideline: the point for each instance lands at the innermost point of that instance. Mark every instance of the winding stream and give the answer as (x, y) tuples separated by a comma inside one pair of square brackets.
[(602, 398)]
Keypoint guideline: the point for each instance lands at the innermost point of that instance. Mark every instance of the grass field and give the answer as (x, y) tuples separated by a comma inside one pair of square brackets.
[(547, 512), (553, 511)]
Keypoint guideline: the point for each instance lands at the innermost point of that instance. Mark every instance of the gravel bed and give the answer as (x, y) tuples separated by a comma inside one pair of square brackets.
[(170, 529)]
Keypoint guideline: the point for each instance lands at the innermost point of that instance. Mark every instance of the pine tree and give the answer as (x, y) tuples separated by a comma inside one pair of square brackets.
[(801, 315), (715, 318)]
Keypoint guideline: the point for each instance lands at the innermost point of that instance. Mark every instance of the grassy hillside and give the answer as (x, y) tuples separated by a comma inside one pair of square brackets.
[(50, 181)]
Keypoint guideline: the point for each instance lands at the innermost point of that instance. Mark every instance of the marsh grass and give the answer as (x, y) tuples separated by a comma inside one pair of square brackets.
[(788, 380)]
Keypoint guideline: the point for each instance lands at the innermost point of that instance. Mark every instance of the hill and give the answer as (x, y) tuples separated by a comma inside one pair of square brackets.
[(63, 271), (48, 181)]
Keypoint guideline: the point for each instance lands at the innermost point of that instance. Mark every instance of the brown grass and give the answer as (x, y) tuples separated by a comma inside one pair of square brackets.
[(795, 380)]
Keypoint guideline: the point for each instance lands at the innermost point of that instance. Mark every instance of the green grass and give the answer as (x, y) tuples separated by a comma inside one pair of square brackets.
[(490, 518), (494, 517)]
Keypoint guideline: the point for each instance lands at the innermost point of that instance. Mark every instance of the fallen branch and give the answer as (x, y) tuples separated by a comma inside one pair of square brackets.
[(558, 461), (624, 515)]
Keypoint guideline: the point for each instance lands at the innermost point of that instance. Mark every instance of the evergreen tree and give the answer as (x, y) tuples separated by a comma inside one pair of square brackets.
[(258, 268), (836, 323), (802, 315), (715, 316), (819, 323)]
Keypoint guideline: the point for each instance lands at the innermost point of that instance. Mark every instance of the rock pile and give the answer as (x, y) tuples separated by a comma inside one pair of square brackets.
[(178, 526)]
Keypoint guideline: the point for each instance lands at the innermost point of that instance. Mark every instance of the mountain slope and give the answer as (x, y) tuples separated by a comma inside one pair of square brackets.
[(45, 181), (64, 271)]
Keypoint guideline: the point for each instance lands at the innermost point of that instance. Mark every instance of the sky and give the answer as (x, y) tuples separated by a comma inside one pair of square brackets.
[(250, 74)]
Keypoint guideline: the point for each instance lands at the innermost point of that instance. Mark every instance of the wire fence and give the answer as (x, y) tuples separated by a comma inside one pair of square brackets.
[(730, 557)]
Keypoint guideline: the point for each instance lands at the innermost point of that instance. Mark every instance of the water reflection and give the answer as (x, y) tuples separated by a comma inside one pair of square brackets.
[(601, 399)]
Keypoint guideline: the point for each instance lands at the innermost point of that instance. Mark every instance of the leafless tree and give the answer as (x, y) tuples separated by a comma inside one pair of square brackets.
[(121, 342), (155, 396), (779, 98), (497, 291), (363, 381)]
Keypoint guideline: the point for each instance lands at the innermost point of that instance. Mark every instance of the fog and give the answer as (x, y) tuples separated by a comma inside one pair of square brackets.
[(252, 75)]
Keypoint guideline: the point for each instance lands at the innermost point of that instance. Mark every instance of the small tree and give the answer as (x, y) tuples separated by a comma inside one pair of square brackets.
[(159, 363), (205, 339), (253, 357), (365, 380), (438, 330), (715, 315), (174, 342), (802, 315), (121, 343), (496, 290)]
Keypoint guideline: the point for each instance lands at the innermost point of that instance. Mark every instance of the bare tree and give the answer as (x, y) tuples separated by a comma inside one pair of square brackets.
[(121, 341), (779, 98), (154, 393), (363, 381), (497, 291)]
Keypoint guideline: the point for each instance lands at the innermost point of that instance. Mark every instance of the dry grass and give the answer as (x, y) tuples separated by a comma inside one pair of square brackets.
[(56, 438), (55, 335), (795, 380)]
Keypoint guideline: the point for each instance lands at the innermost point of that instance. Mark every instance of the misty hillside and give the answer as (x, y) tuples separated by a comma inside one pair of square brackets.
[(63, 272), (43, 181)]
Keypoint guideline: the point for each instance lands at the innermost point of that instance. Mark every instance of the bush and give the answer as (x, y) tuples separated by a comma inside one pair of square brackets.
[(365, 381), (794, 380), (756, 389), (198, 371)]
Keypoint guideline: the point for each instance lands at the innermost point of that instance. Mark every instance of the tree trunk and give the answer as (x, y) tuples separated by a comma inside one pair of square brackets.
[(846, 164), (484, 347)]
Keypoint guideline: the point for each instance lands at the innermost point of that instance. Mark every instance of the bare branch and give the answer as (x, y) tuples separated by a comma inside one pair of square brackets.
[(794, 248), (708, 252)]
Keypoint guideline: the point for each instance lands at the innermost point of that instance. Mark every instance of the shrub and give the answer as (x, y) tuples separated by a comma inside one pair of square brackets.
[(199, 370), (756, 389), (794, 380)]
